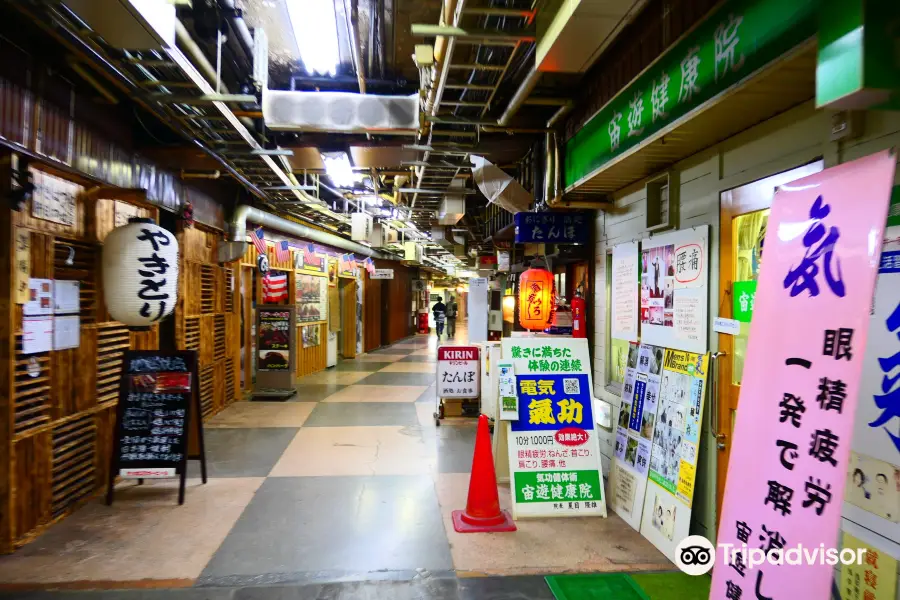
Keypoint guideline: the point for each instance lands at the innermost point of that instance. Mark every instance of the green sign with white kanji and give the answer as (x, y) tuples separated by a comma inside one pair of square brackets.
[(744, 294), (731, 44)]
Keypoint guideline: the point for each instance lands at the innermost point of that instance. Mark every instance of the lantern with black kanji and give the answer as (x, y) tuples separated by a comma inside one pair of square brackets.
[(535, 299), (140, 273)]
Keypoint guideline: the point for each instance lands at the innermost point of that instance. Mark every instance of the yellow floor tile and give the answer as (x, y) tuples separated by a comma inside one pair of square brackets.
[(588, 544), (343, 451), (378, 393), (143, 535), (262, 414)]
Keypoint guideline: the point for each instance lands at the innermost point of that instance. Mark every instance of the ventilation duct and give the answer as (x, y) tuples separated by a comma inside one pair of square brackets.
[(340, 112), (498, 187)]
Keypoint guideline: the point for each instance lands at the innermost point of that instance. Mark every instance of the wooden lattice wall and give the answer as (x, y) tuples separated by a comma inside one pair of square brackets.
[(208, 317), (57, 412)]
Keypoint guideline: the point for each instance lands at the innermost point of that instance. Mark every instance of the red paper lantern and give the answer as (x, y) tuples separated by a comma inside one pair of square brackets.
[(535, 299)]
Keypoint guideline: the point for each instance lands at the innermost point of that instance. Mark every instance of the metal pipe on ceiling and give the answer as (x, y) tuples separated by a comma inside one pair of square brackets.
[(245, 213), (239, 26), (351, 10)]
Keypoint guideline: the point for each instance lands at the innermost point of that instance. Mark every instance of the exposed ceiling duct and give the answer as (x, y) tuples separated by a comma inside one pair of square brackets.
[(340, 112), (498, 187)]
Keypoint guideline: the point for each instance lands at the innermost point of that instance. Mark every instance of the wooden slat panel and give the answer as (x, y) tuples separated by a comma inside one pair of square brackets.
[(191, 334), (207, 289), (231, 382), (31, 491), (198, 244), (74, 468), (207, 339), (32, 404), (315, 358), (105, 426), (207, 390), (220, 337), (112, 341), (74, 375), (85, 268), (229, 291)]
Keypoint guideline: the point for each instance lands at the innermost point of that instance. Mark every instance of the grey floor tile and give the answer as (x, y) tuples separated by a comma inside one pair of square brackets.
[(134, 594), (359, 365), (392, 350), (530, 587), (363, 414), (381, 378), (455, 446), (316, 392), (363, 524), (418, 358), (245, 452), (429, 395)]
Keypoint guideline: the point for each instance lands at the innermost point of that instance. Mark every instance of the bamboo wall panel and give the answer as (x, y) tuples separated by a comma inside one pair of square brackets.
[(30, 485), (74, 376), (85, 268), (74, 464), (314, 358), (31, 401), (112, 342), (207, 391)]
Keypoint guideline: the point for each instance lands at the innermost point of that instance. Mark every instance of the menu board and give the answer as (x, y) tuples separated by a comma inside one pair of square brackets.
[(312, 298), (274, 339), (154, 407)]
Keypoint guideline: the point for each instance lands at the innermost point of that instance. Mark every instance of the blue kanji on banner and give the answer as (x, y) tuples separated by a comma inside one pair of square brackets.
[(553, 402), (552, 227)]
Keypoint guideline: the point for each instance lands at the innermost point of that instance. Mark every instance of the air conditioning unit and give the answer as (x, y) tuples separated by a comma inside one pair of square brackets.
[(361, 227), (340, 112), (413, 252), (129, 24), (391, 236), (382, 235)]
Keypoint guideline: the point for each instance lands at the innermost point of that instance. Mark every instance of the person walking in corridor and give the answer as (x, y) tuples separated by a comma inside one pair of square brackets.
[(452, 311), (440, 314)]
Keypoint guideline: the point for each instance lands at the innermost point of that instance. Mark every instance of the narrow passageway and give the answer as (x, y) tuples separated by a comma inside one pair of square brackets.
[(349, 481)]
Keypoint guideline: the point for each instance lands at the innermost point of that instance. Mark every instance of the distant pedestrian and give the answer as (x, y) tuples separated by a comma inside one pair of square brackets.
[(451, 317), (440, 314)]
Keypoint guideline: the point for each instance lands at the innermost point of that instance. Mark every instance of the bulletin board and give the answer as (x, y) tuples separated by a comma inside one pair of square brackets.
[(674, 300)]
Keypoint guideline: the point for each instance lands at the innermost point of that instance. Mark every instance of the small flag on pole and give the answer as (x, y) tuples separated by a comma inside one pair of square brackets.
[(282, 252), (308, 253), (256, 236)]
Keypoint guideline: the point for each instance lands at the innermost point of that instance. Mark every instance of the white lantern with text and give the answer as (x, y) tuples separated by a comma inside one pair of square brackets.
[(140, 273)]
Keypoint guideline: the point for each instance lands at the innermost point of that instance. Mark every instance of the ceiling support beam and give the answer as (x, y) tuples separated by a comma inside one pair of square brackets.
[(427, 30)]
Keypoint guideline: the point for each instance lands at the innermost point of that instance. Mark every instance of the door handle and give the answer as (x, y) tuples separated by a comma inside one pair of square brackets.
[(714, 398)]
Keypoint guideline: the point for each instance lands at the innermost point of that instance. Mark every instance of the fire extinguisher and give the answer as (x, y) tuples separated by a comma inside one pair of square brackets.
[(579, 326)]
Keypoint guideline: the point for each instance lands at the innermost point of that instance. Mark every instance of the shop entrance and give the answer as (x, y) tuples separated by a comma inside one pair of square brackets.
[(347, 336), (744, 213)]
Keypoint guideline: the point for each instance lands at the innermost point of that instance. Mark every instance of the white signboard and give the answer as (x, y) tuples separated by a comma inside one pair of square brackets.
[(503, 260), (625, 292), (37, 334), (66, 332), (66, 297), (634, 433), (458, 372), (553, 446), (509, 400), (382, 274), (40, 298), (478, 309), (873, 479), (674, 270)]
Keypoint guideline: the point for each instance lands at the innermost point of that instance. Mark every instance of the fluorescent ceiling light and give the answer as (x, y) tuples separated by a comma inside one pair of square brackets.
[(315, 31), (338, 169)]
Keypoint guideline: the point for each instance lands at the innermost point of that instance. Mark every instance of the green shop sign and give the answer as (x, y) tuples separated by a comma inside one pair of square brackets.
[(736, 40), (744, 294), (558, 486)]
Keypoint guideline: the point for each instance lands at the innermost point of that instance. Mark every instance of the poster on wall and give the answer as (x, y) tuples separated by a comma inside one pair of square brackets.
[(312, 298), (274, 339), (668, 502), (634, 433), (53, 198), (624, 292), (40, 298), (332, 271), (873, 578), (802, 371), (553, 445), (674, 270), (310, 336), (307, 259), (873, 477)]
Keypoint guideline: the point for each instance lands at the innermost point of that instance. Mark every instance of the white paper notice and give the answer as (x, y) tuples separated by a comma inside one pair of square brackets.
[(625, 292), (624, 492), (66, 297), (40, 298), (66, 332), (37, 334), (687, 314)]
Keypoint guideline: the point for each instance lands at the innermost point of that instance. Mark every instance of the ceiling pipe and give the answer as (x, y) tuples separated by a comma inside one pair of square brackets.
[(240, 27), (525, 88), (351, 11), (245, 213)]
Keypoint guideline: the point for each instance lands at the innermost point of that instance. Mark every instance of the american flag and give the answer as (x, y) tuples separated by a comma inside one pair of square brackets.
[(275, 287), (308, 253), (352, 262), (370, 265), (258, 239), (282, 252)]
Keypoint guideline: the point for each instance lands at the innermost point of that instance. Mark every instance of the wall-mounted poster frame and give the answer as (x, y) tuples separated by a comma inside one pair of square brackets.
[(674, 298), (312, 298)]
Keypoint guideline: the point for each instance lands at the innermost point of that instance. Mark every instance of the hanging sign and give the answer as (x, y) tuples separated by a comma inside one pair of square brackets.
[(666, 515), (567, 227), (509, 399), (674, 289), (23, 265), (802, 370), (458, 372), (743, 294), (553, 446), (625, 292), (382, 274), (53, 198), (637, 419), (157, 398)]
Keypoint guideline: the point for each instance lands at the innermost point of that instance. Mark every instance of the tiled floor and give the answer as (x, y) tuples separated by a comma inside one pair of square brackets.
[(350, 482)]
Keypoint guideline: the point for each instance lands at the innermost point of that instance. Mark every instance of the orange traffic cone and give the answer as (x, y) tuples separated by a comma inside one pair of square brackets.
[(483, 506)]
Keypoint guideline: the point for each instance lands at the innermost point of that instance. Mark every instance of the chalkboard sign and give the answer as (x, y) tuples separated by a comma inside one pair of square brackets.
[(157, 398)]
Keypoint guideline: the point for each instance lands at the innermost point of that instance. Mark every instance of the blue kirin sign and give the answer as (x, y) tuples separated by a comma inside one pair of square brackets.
[(552, 227)]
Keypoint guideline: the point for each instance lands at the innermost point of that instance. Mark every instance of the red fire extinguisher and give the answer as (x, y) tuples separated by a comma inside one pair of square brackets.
[(579, 325)]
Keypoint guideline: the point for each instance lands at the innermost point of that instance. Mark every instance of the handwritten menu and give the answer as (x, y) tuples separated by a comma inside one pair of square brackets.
[(154, 407), (53, 198)]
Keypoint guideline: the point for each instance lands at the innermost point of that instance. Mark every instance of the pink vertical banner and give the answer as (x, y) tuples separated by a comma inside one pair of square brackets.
[(801, 378)]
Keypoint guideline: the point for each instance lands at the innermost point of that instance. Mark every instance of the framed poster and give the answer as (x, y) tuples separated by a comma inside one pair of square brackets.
[(674, 270), (310, 335), (312, 298)]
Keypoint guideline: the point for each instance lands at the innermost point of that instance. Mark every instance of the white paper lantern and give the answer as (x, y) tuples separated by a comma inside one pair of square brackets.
[(140, 273)]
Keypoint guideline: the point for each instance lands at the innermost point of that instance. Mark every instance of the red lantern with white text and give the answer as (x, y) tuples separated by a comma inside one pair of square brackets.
[(535, 299)]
